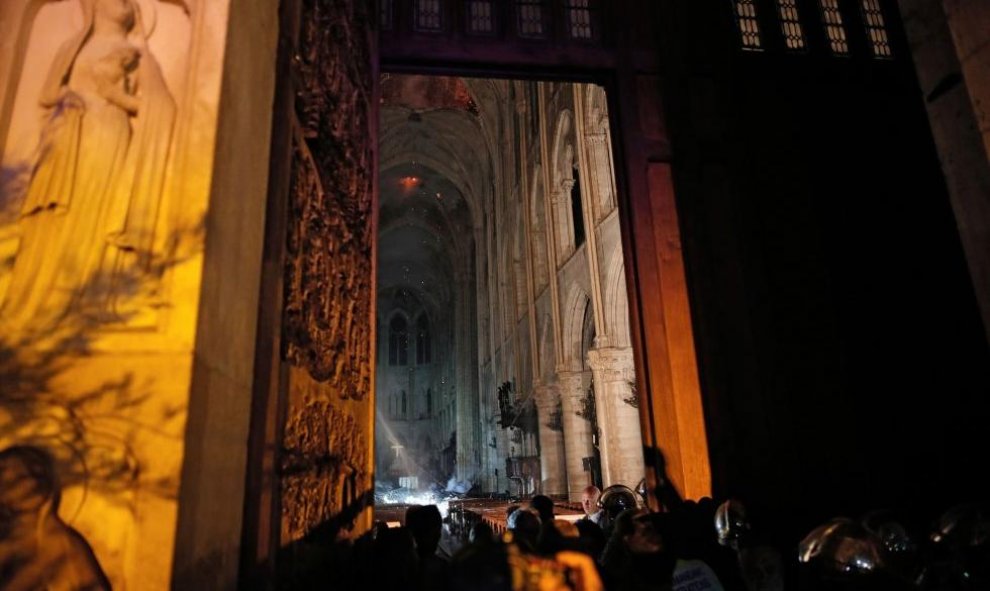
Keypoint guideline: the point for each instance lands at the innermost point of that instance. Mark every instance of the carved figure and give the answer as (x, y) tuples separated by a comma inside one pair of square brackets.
[(37, 549), (96, 187)]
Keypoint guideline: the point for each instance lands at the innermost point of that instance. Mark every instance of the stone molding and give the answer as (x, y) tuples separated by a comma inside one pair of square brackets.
[(596, 139), (612, 364)]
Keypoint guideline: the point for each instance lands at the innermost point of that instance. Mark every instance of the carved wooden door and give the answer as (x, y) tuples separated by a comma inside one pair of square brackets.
[(311, 455)]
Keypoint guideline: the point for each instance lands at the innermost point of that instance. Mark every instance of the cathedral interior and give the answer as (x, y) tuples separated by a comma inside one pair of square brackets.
[(491, 372), (267, 264)]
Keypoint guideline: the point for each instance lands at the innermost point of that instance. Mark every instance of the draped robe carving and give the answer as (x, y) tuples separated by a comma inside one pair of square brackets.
[(90, 211)]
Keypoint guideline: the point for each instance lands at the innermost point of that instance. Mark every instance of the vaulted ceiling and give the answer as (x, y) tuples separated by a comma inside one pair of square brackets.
[(436, 173)]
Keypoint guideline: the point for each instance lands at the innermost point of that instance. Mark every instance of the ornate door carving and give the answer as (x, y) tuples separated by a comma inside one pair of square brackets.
[(312, 441), (328, 310)]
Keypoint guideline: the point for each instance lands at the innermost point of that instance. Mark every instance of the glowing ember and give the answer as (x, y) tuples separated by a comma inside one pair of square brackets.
[(409, 182)]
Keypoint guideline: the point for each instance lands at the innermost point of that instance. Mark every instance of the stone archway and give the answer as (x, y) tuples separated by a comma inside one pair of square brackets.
[(561, 182), (573, 383), (651, 340)]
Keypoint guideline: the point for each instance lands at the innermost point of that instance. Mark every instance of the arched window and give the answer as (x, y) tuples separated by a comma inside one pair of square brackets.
[(423, 353), (587, 333), (398, 342), (835, 29), (749, 27), (790, 24), (580, 18), (429, 15), (577, 212), (566, 189), (538, 231), (403, 414), (876, 29)]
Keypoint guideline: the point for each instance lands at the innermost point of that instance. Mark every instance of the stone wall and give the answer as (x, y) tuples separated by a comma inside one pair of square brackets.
[(572, 327), (108, 135)]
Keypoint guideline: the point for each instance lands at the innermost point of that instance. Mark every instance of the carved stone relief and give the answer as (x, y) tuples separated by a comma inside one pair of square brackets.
[(612, 365), (85, 200), (93, 97)]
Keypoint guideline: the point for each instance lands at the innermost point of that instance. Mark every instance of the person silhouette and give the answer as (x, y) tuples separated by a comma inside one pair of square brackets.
[(37, 549)]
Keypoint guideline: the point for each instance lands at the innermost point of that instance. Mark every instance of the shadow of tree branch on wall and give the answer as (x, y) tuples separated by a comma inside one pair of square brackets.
[(98, 433)]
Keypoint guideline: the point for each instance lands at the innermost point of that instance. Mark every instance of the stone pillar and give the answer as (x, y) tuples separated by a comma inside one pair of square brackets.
[(948, 39), (572, 386), (501, 452), (620, 440), (600, 165), (561, 200), (466, 380), (553, 473)]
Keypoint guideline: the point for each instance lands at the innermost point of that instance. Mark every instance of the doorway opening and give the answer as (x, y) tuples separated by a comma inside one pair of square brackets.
[(504, 359)]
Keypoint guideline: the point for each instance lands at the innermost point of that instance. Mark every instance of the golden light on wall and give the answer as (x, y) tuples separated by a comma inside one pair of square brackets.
[(100, 265)]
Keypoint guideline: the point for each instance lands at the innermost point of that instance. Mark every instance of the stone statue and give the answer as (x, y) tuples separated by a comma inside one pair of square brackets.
[(95, 190), (37, 549)]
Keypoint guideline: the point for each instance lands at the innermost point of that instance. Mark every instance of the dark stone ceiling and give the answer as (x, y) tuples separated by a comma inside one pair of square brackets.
[(435, 172)]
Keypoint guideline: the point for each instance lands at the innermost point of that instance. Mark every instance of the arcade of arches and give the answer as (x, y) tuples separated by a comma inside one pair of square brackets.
[(504, 357)]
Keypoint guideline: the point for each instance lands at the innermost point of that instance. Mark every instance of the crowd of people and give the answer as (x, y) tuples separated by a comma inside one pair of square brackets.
[(618, 544), (689, 546)]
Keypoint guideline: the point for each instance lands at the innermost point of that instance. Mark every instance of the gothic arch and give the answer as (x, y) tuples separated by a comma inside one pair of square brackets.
[(599, 149), (428, 142), (424, 338), (519, 275), (538, 230), (617, 300), (596, 109), (561, 182), (488, 97), (562, 157), (396, 311), (446, 169), (573, 320), (506, 294), (398, 338), (547, 355), (587, 335)]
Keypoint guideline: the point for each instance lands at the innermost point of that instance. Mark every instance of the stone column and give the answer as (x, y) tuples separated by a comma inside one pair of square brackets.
[(553, 473), (572, 386), (465, 375), (561, 200), (620, 440), (502, 445), (600, 165), (949, 39)]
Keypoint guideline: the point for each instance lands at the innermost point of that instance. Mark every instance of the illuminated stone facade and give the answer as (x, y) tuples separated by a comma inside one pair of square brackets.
[(108, 125)]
